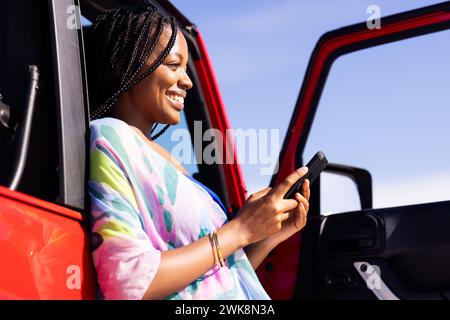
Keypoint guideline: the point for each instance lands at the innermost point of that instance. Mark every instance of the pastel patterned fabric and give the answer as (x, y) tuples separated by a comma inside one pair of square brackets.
[(142, 205)]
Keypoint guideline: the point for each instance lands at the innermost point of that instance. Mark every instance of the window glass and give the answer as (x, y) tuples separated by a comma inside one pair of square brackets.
[(387, 109)]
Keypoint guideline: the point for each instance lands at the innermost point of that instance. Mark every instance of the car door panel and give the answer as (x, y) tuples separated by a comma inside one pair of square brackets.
[(44, 249), (411, 250)]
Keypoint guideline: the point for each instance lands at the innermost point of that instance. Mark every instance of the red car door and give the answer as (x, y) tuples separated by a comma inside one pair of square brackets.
[(295, 269)]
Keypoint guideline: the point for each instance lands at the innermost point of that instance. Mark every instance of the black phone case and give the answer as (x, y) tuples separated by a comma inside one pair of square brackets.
[(315, 166)]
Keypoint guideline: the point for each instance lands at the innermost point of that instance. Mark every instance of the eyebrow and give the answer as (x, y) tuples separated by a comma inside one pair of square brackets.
[(177, 54)]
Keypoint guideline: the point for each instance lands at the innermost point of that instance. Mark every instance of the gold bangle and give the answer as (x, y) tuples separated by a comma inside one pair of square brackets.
[(219, 251), (213, 247)]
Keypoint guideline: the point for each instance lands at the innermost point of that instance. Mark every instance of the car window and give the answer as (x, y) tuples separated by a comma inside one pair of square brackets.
[(386, 109)]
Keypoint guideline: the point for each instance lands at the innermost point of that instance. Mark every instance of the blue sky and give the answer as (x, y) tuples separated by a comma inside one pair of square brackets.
[(260, 50)]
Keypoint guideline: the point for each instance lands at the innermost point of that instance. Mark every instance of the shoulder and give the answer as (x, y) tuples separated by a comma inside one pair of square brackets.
[(114, 139), (108, 128), (113, 132)]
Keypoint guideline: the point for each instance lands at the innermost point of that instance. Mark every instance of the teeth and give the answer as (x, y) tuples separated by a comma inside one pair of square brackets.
[(177, 98)]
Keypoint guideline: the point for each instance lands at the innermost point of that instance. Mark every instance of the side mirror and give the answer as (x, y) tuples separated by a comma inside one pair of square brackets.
[(360, 176)]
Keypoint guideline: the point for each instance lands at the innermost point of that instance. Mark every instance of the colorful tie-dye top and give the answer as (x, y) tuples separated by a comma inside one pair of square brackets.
[(142, 205)]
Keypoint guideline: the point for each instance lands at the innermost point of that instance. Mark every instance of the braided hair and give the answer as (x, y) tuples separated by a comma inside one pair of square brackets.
[(119, 44)]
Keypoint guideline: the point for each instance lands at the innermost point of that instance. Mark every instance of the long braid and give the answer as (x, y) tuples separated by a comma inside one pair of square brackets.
[(128, 36), (156, 136), (145, 28), (153, 46)]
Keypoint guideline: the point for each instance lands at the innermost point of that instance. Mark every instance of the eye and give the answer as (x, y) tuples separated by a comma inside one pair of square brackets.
[(173, 65)]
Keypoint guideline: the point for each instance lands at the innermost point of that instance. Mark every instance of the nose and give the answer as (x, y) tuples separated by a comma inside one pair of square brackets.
[(185, 82)]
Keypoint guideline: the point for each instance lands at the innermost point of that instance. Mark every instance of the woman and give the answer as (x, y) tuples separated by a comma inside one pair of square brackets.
[(156, 232)]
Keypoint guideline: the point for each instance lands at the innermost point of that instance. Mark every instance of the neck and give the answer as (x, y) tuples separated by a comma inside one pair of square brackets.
[(125, 111)]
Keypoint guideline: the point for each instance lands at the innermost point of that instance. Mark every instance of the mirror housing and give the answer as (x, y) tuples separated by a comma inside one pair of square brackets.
[(360, 176)]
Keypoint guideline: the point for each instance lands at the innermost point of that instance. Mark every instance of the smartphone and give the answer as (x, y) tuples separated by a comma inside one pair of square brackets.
[(315, 166)]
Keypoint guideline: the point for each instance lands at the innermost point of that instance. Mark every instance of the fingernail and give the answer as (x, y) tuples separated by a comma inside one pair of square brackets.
[(302, 170)]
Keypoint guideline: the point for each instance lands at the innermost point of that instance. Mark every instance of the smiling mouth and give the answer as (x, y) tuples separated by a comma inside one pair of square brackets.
[(174, 97), (176, 100)]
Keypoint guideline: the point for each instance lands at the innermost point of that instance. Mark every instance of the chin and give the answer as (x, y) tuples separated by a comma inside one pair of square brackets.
[(174, 119)]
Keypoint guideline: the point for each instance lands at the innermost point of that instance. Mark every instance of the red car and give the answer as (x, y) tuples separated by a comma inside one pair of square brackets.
[(44, 246)]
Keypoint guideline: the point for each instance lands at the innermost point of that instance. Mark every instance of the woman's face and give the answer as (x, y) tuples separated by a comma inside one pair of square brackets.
[(160, 96)]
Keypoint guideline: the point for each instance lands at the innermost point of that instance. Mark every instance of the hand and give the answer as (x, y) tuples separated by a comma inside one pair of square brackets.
[(297, 216), (264, 213)]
